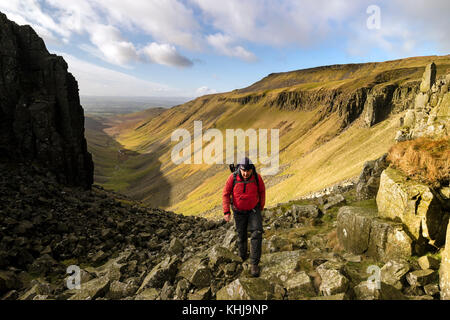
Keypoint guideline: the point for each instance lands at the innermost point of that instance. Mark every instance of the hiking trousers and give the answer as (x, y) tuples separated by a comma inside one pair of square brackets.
[(249, 221)]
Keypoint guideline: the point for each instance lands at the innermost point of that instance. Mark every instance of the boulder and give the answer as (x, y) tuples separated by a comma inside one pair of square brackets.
[(421, 277), (351, 257), (353, 228), (167, 291), (99, 256), (333, 281), (202, 294), (229, 241), (339, 296), (444, 271), (389, 240), (276, 244), (119, 290), (277, 267), (299, 286), (360, 231), (92, 289), (176, 246), (218, 255), (414, 204), (181, 289), (39, 289), (305, 211), (44, 265), (113, 268), (247, 289), (147, 294), (334, 201), (163, 271), (431, 289), (366, 291), (196, 272), (394, 273), (427, 262)]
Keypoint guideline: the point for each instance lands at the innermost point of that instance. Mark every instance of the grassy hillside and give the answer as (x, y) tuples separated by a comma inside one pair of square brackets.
[(323, 137)]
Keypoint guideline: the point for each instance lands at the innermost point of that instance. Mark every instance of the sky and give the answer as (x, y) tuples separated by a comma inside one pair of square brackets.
[(188, 48)]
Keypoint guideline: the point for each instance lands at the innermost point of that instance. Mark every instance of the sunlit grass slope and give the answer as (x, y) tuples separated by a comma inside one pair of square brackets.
[(317, 147)]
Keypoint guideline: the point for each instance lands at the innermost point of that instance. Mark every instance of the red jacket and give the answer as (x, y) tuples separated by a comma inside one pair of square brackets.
[(245, 195)]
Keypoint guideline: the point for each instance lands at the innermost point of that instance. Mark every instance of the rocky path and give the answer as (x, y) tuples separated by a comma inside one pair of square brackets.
[(127, 251)]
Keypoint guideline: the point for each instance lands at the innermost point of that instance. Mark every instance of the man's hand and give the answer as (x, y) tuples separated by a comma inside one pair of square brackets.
[(227, 216)]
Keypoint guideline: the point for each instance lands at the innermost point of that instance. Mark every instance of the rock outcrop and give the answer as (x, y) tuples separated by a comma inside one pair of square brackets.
[(428, 78), (415, 205), (369, 179), (361, 231), (430, 114), (41, 119)]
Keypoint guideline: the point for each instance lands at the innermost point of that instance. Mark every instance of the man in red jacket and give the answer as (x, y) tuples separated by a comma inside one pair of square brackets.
[(248, 192)]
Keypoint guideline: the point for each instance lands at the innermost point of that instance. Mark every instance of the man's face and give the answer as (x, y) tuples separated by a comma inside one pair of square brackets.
[(246, 173)]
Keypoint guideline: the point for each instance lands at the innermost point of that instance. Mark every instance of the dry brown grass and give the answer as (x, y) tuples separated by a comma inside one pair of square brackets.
[(423, 159)]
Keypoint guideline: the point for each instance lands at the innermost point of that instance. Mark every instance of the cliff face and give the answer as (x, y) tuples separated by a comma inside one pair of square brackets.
[(41, 118), (374, 101)]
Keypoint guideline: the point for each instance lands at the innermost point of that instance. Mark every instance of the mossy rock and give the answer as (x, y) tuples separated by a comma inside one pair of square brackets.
[(247, 289), (414, 204)]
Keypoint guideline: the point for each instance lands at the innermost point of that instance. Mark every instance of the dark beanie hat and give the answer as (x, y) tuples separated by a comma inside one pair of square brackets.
[(246, 164)]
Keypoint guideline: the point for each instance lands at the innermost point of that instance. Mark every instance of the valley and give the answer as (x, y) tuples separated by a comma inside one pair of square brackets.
[(330, 122)]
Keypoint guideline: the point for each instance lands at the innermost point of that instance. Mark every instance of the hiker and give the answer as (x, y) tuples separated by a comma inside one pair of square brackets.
[(248, 194)]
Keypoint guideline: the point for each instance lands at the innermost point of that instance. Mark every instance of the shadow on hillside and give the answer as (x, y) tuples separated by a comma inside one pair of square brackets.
[(127, 171)]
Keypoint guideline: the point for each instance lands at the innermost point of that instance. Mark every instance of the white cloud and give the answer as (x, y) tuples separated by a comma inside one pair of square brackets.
[(165, 54), (204, 90), (44, 32), (276, 23), (95, 80), (225, 45), (405, 24), (425, 21), (112, 45), (404, 27), (167, 21), (76, 16), (31, 12), (231, 26), (103, 20)]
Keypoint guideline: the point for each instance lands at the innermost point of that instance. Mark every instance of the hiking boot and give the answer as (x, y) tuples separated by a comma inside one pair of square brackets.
[(244, 258), (254, 270)]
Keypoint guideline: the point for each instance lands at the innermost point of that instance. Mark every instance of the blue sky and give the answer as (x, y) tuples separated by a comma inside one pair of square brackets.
[(193, 47)]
